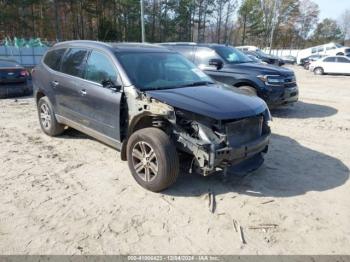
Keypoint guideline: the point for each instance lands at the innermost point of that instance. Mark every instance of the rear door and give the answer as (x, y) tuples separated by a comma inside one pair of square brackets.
[(100, 103), (329, 65), (67, 84)]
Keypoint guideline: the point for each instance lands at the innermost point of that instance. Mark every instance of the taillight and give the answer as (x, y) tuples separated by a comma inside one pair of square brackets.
[(24, 73)]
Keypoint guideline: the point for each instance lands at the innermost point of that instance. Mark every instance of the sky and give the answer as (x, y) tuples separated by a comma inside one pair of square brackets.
[(332, 8)]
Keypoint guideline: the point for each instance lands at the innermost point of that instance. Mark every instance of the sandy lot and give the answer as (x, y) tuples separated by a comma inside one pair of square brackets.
[(73, 195)]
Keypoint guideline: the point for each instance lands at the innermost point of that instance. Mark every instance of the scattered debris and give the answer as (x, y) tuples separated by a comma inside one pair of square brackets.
[(212, 203), (264, 226), (242, 235), (235, 225), (269, 201)]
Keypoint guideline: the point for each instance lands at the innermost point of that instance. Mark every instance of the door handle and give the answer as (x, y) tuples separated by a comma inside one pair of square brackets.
[(83, 92), (54, 83)]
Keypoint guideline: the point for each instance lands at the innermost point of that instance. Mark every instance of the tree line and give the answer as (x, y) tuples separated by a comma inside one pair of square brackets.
[(275, 23)]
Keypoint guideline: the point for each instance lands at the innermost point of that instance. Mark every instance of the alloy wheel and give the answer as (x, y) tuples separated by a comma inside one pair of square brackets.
[(45, 116), (145, 161)]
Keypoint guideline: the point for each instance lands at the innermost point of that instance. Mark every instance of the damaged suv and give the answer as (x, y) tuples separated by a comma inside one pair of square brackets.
[(151, 104)]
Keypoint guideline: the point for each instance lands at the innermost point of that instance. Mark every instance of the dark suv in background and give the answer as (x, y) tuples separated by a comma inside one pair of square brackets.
[(151, 104), (226, 64)]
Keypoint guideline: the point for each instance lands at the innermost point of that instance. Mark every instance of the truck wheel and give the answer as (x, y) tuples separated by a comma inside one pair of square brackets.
[(248, 90), (47, 118), (340, 54), (318, 71), (152, 159)]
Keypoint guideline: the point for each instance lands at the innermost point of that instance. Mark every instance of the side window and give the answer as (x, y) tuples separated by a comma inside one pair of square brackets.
[(99, 69), (329, 60), (314, 50), (320, 49), (53, 58), (203, 55), (74, 61), (343, 60)]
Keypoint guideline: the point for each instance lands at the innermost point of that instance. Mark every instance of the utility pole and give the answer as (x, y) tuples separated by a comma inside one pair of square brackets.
[(142, 23)]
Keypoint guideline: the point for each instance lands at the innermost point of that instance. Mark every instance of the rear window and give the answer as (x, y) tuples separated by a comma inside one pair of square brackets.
[(53, 58), (74, 61), (342, 60)]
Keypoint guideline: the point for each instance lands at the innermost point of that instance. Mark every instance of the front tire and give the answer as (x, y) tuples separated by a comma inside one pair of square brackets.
[(47, 119), (152, 159), (318, 71)]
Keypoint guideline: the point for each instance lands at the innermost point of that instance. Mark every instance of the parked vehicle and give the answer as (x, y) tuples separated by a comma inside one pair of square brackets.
[(305, 62), (330, 49), (253, 50), (256, 60), (150, 103), (331, 65), (226, 64), (14, 79), (289, 59)]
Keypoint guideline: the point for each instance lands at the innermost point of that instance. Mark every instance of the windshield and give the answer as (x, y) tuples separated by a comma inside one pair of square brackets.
[(149, 71), (232, 55)]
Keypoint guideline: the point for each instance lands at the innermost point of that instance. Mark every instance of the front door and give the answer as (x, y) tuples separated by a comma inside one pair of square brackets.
[(100, 104)]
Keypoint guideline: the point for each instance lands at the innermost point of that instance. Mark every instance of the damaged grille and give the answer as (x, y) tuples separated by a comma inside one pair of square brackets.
[(244, 131)]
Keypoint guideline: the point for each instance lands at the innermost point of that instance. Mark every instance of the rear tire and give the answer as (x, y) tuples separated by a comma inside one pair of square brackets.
[(47, 119), (340, 54), (152, 159), (248, 90), (318, 71)]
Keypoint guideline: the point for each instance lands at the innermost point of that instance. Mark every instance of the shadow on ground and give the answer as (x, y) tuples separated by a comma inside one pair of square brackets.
[(302, 110), (290, 169)]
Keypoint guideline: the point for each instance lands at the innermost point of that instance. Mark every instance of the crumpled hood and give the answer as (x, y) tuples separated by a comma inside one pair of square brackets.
[(260, 69), (214, 101)]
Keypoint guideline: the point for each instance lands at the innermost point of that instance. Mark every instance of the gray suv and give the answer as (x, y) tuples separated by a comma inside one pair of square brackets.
[(151, 104)]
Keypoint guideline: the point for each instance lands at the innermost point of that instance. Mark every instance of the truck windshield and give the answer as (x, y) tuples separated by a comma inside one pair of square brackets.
[(162, 70), (232, 55)]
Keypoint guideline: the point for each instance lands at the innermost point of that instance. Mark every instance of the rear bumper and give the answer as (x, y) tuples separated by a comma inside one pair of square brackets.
[(16, 89)]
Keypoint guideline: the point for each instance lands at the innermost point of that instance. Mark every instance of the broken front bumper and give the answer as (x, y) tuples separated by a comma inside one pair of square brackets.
[(234, 155)]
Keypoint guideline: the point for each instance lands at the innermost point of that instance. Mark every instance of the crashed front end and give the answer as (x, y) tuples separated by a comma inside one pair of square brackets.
[(213, 144), (218, 144)]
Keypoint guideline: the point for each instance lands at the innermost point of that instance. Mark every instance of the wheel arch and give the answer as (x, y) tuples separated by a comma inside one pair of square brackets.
[(39, 94), (245, 82), (141, 121)]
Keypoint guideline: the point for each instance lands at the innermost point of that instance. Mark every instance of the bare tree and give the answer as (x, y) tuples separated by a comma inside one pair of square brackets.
[(344, 23)]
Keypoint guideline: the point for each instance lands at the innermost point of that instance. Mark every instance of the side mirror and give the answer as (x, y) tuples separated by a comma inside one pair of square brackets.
[(216, 62), (111, 85)]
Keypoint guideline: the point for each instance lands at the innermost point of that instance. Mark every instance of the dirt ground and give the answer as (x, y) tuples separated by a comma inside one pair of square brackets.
[(73, 195)]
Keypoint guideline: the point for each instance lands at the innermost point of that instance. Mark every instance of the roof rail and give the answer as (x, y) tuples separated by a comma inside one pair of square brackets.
[(178, 43), (82, 42)]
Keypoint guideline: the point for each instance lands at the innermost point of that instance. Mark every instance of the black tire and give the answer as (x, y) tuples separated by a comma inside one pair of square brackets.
[(318, 71), (248, 90), (166, 159), (50, 127), (340, 54)]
